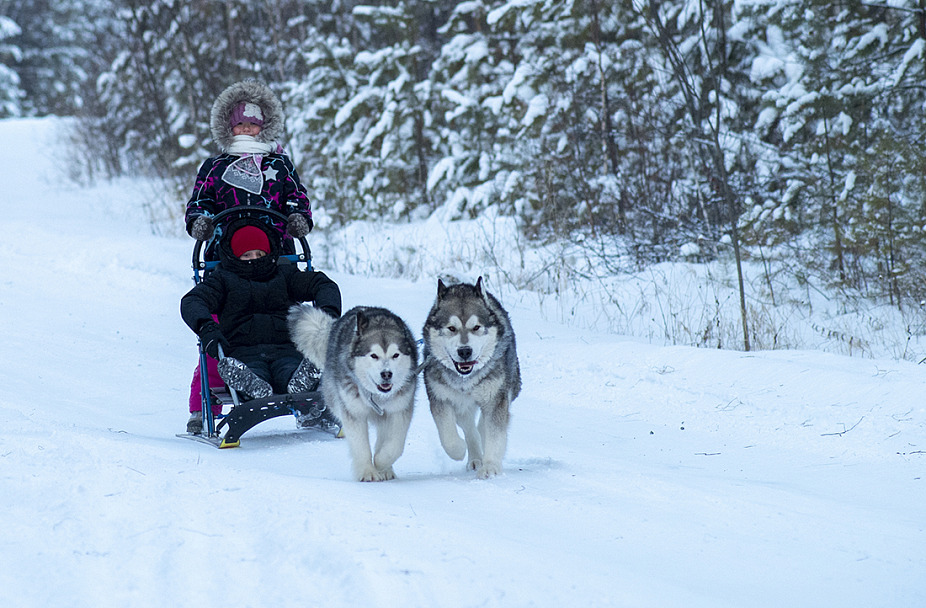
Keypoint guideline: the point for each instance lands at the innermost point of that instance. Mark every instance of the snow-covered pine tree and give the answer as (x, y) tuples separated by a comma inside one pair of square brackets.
[(61, 52), (473, 167), (531, 96), (313, 102), (705, 65), (152, 93), (843, 106), (546, 153), (10, 92), (364, 121), (174, 58)]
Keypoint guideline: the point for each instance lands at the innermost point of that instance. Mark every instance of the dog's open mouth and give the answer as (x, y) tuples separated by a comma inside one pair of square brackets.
[(385, 387), (464, 367)]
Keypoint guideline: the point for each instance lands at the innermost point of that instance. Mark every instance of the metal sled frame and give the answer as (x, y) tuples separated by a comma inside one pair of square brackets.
[(248, 414)]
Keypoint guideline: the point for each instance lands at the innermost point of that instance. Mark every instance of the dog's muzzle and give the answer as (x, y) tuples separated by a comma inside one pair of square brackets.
[(464, 367), (386, 385)]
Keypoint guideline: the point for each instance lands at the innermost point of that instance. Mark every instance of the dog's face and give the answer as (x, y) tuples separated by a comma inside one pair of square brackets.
[(461, 331), (381, 364), (463, 344)]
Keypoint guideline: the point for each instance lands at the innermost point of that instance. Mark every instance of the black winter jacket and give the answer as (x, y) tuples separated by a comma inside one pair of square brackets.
[(252, 299)]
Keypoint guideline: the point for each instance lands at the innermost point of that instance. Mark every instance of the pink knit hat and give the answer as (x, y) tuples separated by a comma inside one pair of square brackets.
[(245, 111)]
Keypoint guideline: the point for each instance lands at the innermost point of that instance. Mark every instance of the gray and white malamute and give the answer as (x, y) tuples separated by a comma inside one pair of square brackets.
[(471, 366), (368, 378)]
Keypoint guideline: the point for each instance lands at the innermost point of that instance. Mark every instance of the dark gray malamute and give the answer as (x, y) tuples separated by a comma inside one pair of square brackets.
[(471, 365), (368, 366)]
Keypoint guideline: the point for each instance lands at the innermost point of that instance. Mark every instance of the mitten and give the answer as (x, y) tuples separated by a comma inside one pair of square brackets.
[(298, 226), (202, 228), (211, 337)]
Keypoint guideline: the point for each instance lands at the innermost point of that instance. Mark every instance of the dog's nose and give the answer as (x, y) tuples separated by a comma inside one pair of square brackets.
[(465, 352), (386, 375)]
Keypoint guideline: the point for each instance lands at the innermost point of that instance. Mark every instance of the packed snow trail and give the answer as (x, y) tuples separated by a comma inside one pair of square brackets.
[(636, 475)]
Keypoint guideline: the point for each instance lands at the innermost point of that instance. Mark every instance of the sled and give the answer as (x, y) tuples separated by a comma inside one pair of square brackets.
[(244, 415)]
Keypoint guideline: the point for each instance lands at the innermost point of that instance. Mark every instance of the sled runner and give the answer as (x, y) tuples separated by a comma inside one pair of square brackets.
[(243, 415), (307, 407)]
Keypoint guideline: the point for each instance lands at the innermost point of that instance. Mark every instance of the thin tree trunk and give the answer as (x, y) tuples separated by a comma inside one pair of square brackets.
[(607, 127), (837, 233), (712, 152)]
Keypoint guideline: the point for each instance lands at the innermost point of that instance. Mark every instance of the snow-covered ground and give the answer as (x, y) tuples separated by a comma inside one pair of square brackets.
[(636, 475)]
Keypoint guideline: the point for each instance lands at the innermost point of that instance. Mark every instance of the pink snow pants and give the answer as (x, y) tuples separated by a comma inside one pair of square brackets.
[(196, 393)]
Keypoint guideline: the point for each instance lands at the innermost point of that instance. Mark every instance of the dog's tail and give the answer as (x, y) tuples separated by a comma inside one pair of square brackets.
[(309, 329)]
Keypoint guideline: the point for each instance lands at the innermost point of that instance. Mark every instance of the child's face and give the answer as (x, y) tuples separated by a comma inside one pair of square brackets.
[(246, 128), (252, 254)]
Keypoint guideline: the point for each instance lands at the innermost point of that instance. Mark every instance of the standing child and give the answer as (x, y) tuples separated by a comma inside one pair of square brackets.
[(251, 294), (247, 123)]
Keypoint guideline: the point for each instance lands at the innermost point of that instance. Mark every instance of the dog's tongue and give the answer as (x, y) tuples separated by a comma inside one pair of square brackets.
[(385, 387)]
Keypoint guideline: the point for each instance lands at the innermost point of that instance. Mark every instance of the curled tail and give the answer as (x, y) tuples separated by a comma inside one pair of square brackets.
[(309, 329)]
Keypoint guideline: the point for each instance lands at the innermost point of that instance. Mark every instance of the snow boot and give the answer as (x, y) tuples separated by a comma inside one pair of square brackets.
[(239, 376), (329, 423), (305, 378), (308, 420), (194, 425), (320, 418)]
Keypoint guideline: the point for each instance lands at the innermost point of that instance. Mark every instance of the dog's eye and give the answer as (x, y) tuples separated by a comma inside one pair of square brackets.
[(452, 329), (374, 356), (477, 328), (395, 356)]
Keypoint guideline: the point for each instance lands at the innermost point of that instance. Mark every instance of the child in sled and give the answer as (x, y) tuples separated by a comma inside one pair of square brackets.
[(251, 294), (247, 124)]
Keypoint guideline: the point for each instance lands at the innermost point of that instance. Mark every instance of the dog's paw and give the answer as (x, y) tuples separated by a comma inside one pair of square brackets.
[(369, 474), (488, 469), (474, 464), (372, 474)]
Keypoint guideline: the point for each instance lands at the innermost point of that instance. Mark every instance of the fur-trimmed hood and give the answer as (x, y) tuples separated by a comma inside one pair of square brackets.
[(252, 91)]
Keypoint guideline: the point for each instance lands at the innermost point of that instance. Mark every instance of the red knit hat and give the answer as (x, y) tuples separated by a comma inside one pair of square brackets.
[(248, 238)]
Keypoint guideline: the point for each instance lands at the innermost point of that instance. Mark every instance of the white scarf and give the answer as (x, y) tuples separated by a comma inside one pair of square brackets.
[(246, 144), (245, 173)]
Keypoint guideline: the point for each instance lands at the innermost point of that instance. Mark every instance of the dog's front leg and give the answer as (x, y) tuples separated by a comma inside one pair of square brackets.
[(391, 431), (494, 425), (466, 418), (445, 419), (357, 435)]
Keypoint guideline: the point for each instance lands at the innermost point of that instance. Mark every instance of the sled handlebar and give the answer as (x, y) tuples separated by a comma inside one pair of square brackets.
[(245, 210)]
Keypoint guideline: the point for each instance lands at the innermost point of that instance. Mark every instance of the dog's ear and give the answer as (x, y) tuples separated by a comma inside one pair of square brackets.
[(441, 289), (480, 289), (362, 323)]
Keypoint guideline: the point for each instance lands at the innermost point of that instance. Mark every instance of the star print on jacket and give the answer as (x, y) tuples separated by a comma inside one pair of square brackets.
[(281, 190)]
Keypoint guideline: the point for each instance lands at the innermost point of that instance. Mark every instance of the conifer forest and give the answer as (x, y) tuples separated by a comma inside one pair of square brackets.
[(782, 131)]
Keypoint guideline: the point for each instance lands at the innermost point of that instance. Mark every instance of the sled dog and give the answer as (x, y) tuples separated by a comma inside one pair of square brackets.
[(368, 378), (471, 366)]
